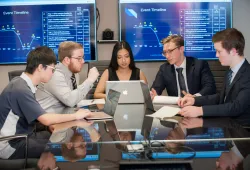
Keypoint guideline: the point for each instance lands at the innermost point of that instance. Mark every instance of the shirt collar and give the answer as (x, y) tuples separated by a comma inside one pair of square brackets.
[(65, 69), (236, 68), (29, 82), (183, 64)]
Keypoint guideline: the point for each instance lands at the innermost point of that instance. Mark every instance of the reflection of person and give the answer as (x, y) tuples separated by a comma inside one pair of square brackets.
[(194, 75), (233, 99), (75, 149), (47, 162), (121, 67), (73, 145), (63, 89), (238, 150), (19, 108)]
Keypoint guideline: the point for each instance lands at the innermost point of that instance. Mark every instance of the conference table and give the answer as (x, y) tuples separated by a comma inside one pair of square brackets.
[(134, 140)]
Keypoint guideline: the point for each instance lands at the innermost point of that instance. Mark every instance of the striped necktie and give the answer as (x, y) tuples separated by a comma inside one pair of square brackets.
[(73, 79)]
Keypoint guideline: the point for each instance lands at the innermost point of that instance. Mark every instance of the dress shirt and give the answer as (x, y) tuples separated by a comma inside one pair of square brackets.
[(58, 92)]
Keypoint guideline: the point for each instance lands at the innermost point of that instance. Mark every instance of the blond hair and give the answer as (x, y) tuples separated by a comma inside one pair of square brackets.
[(66, 49)]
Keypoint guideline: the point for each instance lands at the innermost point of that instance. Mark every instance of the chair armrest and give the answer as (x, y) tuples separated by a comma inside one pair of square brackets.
[(13, 137)]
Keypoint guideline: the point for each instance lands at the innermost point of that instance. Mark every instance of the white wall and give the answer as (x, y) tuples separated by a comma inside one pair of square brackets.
[(109, 19)]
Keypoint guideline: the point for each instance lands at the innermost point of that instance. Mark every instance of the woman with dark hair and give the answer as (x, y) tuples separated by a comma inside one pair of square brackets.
[(122, 67)]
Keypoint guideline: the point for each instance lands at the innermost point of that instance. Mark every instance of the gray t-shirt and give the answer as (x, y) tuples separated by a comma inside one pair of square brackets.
[(18, 111)]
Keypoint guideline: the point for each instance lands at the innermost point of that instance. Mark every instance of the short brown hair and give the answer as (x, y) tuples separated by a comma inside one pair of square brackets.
[(66, 49), (177, 39), (230, 38)]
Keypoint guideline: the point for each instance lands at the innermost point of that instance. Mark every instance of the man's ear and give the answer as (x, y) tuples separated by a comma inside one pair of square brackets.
[(233, 52), (40, 67), (182, 48), (66, 60)]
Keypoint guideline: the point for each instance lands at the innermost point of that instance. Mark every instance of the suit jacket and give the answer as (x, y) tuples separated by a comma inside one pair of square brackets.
[(236, 102), (199, 78)]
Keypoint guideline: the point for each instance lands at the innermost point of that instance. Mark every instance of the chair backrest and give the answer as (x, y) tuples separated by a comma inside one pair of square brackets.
[(101, 66), (218, 72), (14, 73)]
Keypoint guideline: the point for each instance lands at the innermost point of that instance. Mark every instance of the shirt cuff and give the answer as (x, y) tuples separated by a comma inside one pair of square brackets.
[(197, 94)]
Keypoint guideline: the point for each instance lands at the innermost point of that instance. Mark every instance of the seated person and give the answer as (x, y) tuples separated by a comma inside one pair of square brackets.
[(182, 75), (19, 108), (232, 101), (63, 89), (121, 67)]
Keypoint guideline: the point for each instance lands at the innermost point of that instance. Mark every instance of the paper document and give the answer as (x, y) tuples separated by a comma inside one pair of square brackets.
[(165, 100), (165, 112), (90, 102)]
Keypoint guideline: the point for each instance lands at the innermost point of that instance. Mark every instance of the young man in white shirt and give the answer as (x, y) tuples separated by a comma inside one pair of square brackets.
[(64, 90)]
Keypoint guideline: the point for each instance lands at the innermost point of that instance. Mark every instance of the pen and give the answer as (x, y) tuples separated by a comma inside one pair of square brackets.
[(92, 101)]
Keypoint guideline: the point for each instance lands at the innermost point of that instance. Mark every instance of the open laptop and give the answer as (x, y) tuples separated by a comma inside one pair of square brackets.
[(131, 91)]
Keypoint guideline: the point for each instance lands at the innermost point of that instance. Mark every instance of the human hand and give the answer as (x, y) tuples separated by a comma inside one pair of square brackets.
[(190, 123), (82, 113), (93, 74), (185, 101), (191, 111), (47, 161), (187, 94), (153, 93)]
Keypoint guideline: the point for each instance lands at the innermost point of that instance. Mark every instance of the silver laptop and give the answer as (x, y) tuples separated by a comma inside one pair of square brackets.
[(131, 91), (129, 117)]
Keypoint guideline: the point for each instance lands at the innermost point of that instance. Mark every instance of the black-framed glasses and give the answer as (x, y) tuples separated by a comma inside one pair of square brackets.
[(79, 59), (52, 68), (164, 53)]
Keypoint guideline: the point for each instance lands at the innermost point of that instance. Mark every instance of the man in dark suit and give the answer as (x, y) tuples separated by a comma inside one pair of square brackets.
[(182, 73), (234, 98)]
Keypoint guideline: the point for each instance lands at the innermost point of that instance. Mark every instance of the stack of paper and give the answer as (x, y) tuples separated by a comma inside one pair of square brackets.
[(90, 102), (165, 100), (165, 112)]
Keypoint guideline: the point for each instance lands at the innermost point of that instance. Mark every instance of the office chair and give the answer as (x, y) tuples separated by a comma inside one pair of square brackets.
[(14, 73), (101, 67), (17, 163)]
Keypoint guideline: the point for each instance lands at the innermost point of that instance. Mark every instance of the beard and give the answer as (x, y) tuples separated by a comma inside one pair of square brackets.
[(73, 68)]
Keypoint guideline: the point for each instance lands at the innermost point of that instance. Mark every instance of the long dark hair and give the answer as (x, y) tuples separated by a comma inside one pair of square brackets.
[(118, 46)]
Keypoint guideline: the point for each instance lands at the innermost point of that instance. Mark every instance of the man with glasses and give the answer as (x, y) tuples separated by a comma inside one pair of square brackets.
[(182, 75), (64, 89), (19, 109)]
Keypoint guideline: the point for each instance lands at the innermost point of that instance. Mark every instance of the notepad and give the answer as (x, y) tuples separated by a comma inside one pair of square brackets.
[(165, 100), (90, 102), (165, 112)]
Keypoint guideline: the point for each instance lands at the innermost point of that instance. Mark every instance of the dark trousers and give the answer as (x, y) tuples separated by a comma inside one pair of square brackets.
[(36, 145)]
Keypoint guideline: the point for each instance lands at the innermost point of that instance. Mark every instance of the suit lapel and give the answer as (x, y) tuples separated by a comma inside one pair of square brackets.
[(238, 75), (189, 72)]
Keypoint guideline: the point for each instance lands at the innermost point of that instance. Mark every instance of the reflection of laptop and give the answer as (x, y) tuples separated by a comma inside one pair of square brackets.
[(131, 91), (129, 117)]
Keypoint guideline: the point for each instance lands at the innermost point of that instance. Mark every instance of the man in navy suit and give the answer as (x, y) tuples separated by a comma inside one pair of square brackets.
[(233, 100), (182, 74)]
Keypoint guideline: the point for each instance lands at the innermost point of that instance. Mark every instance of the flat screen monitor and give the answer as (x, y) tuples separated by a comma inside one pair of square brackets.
[(27, 24), (144, 23)]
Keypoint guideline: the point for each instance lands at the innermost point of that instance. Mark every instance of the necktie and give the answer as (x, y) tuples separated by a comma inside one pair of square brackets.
[(181, 81), (73, 79), (229, 77)]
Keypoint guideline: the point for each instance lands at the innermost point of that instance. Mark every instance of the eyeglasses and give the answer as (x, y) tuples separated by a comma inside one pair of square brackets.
[(79, 59), (164, 53), (53, 68)]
